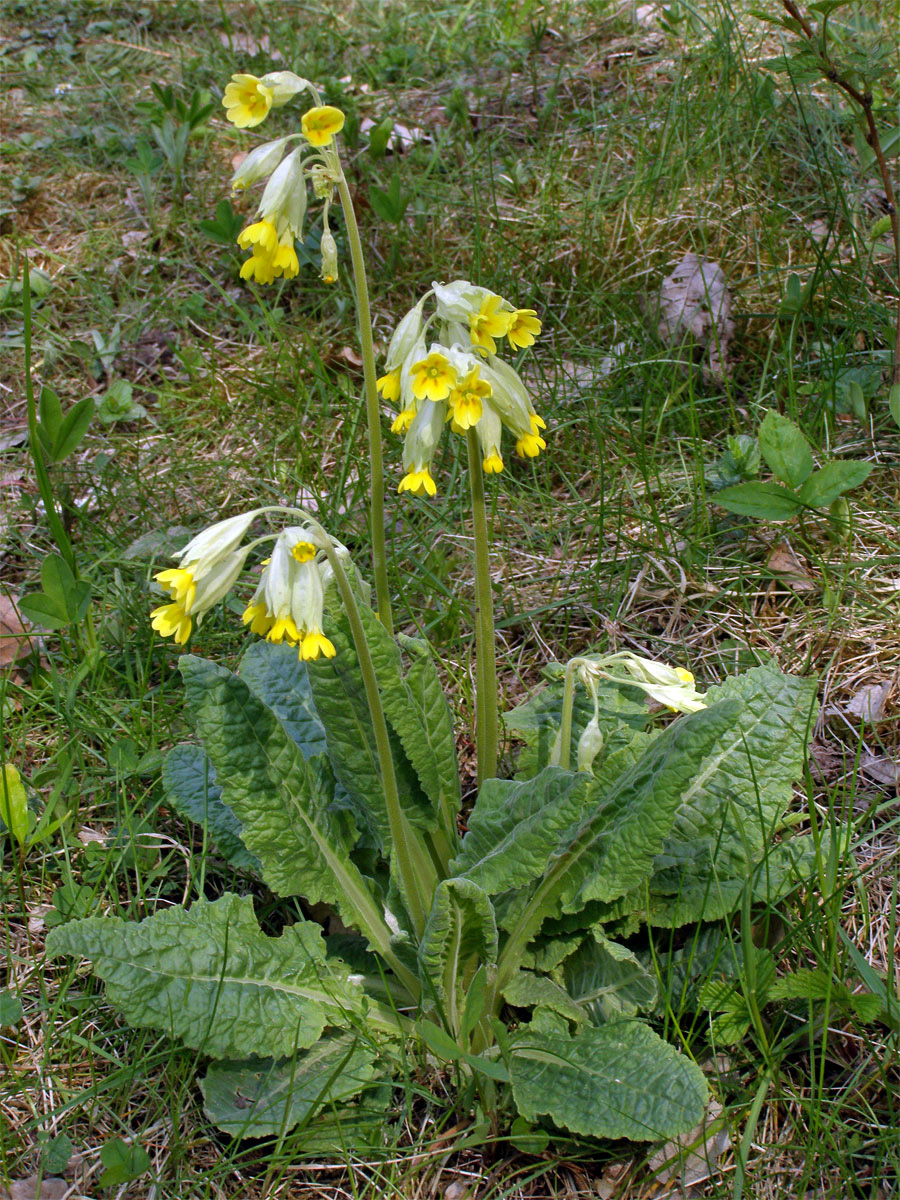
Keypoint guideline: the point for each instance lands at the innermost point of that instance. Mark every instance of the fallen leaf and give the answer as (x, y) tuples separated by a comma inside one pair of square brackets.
[(868, 703), (789, 569), (16, 436), (14, 640), (694, 303), (35, 1188), (693, 1157)]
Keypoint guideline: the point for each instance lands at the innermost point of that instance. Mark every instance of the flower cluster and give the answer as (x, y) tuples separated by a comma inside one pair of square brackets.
[(289, 600), (282, 208), (671, 686), (288, 603), (458, 378)]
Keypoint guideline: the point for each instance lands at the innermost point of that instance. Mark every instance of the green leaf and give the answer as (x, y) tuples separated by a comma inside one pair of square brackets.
[(260, 1097), (785, 449), (74, 426), (13, 803), (617, 1081), (608, 981), (612, 850), (283, 801), (438, 1041), (622, 711), (764, 501), (731, 810), (10, 1008), (894, 402), (208, 975), (42, 611), (189, 779), (526, 1139), (276, 675), (57, 1154), (49, 413), (527, 990), (515, 827), (833, 480), (123, 1162), (378, 137), (340, 699), (460, 936), (417, 710)]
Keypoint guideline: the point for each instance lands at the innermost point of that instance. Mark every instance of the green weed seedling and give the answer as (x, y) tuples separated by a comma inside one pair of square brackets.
[(800, 487), (326, 771)]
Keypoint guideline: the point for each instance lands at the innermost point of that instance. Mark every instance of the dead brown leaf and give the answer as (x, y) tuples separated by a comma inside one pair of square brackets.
[(694, 303), (791, 570), (15, 642)]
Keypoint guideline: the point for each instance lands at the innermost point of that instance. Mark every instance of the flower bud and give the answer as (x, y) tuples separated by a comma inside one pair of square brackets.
[(258, 164), (285, 85), (328, 246)]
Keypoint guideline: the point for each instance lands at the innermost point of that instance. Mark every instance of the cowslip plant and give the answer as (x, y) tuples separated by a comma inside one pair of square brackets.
[(517, 955)]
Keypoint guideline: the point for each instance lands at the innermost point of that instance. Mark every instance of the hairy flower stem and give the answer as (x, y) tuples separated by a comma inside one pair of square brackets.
[(373, 411), (418, 877), (562, 748), (486, 705)]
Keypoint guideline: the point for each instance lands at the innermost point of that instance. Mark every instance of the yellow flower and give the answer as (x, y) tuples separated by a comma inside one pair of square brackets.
[(419, 483), (270, 256), (257, 617), (488, 323), (303, 552), (319, 125), (465, 401), (284, 628), (530, 445), (180, 583), (316, 643), (389, 385), (403, 420), (493, 464), (524, 327), (433, 377), (171, 619), (247, 101)]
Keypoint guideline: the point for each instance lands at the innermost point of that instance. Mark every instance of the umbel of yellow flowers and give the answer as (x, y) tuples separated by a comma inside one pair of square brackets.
[(282, 208), (289, 600), (459, 378)]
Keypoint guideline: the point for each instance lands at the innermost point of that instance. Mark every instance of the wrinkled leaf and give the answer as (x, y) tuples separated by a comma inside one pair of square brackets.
[(189, 779)]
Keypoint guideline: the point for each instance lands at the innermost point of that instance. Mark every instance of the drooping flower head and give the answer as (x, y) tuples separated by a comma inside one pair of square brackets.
[(462, 373), (288, 603)]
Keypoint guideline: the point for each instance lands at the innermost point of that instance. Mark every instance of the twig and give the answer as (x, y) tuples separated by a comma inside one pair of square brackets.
[(865, 101)]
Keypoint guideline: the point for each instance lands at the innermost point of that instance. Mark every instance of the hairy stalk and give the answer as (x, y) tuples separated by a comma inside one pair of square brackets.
[(865, 101), (418, 876), (562, 748), (373, 411), (486, 704)]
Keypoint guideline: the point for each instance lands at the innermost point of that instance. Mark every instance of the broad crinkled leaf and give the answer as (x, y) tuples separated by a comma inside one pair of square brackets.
[(527, 990), (608, 981), (732, 808), (189, 779), (436, 721), (613, 1081), (515, 827), (612, 850), (460, 935), (340, 698), (209, 976), (259, 1097), (283, 801), (276, 676), (537, 721)]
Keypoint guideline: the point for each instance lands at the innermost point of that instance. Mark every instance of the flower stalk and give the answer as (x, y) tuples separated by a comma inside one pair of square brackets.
[(486, 700)]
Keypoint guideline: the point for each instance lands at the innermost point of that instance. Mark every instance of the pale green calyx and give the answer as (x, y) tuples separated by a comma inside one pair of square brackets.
[(258, 164), (284, 198), (285, 85)]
